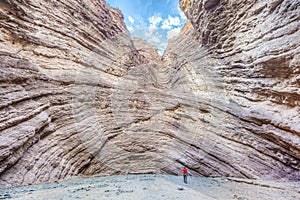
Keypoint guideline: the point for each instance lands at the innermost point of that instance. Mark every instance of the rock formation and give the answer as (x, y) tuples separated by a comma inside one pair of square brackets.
[(53, 54), (78, 96), (243, 61)]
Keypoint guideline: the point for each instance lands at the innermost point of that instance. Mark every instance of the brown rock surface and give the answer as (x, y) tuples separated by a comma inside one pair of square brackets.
[(78, 96), (53, 54), (243, 60)]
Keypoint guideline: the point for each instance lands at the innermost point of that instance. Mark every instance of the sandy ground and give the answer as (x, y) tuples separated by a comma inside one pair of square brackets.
[(153, 187)]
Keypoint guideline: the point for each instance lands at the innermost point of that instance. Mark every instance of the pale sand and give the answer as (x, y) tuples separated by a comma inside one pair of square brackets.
[(153, 187)]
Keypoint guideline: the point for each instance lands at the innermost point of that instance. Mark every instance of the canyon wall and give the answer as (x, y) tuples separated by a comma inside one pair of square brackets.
[(59, 63), (80, 97), (242, 60)]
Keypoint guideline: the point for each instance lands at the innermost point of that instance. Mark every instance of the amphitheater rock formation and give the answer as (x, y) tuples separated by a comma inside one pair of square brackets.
[(80, 97)]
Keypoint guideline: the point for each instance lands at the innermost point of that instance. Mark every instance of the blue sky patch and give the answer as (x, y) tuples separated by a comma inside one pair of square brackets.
[(155, 21)]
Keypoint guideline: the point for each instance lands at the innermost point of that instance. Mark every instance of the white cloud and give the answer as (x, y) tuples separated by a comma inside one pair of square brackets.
[(154, 21), (182, 15), (174, 21), (166, 24), (171, 21), (155, 39), (153, 35), (139, 22), (131, 20), (131, 29), (173, 33), (148, 32)]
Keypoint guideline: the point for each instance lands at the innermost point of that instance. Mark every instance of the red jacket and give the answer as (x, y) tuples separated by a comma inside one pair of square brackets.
[(185, 171)]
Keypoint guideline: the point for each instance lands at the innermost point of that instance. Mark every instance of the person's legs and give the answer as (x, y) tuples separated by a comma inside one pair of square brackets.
[(185, 179)]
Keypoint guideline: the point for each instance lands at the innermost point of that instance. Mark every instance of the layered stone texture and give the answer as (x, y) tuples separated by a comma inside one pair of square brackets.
[(53, 54), (79, 97), (243, 63)]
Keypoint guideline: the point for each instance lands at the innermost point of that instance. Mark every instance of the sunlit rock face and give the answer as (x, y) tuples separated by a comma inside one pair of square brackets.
[(60, 61), (79, 97), (243, 63)]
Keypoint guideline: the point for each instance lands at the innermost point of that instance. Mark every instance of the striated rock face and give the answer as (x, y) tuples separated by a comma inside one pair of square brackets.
[(78, 96), (53, 54), (243, 60)]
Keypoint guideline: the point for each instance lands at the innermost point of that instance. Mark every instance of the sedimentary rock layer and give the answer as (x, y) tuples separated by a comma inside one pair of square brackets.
[(243, 61), (53, 54), (78, 96)]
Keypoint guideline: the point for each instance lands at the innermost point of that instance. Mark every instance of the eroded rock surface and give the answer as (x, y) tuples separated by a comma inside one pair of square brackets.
[(243, 60), (78, 96), (53, 55)]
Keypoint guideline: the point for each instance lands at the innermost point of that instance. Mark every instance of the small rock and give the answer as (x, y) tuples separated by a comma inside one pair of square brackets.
[(5, 196), (180, 188)]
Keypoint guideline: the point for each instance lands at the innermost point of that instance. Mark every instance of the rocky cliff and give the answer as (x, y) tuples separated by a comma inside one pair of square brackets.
[(242, 60), (59, 63), (78, 96)]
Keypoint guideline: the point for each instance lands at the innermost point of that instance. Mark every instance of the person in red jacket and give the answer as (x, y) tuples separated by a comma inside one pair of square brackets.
[(185, 174)]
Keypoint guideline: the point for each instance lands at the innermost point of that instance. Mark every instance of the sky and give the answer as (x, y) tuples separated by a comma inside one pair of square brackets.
[(155, 21)]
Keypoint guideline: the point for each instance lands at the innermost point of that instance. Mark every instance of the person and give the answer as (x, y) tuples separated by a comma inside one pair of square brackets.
[(185, 174)]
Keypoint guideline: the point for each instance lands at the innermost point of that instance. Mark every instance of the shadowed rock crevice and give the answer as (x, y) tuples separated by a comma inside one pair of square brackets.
[(80, 97)]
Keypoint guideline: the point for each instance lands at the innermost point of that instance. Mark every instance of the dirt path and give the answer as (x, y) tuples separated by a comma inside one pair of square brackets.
[(154, 187)]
